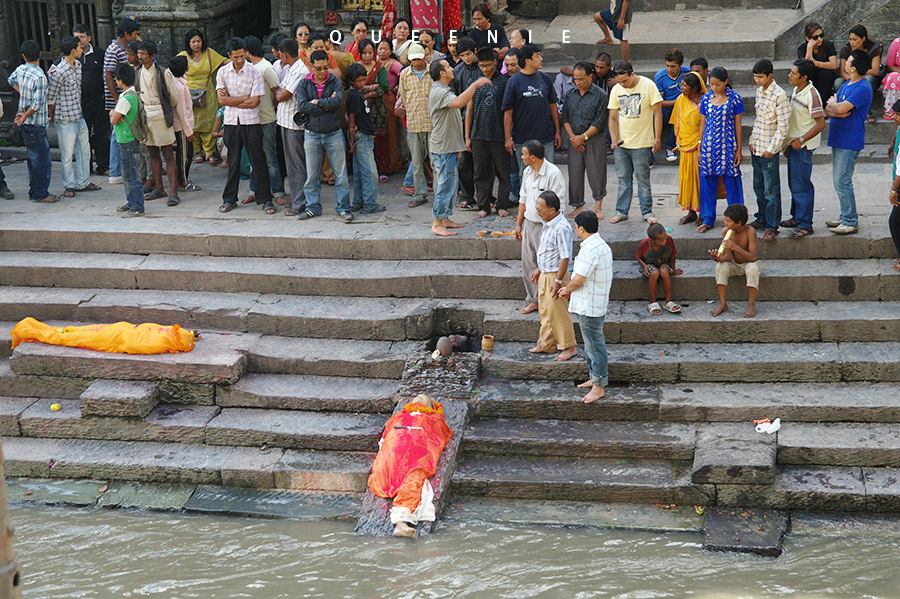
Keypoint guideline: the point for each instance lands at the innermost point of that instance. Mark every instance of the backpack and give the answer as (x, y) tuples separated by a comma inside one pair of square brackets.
[(139, 125)]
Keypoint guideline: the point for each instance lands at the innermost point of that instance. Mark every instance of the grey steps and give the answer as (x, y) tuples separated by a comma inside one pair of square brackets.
[(329, 357), (710, 362), (294, 429), (582, 479), (775, 322), (307, 392), (840, 444), (567, 438), (734, 453), (15, 385), (176, 463), (881, 132), (107, 397)]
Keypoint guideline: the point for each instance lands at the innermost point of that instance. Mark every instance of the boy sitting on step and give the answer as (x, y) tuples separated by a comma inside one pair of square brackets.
[(656, 255), (737, 256)]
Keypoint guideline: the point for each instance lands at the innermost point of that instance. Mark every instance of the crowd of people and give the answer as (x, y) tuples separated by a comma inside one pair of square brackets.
[(477, 125)]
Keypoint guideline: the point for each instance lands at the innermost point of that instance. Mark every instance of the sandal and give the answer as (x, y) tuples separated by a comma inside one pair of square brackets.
[(214, 160), (269, 208), (292, 212), (654, 309), (673, 308), (228, 207), (770, 234), (688, 218), (415, 202), (790, 222), (801, 233), (383, 179), (703, 228), (47, 199), (69, 192), (91, 187), (198, 158), (191, 187), (173, 201), (466, 206)]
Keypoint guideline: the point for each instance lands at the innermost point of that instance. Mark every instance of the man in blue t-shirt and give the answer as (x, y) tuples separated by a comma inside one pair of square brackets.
[(668, 82), (529, 107), (848, 110)]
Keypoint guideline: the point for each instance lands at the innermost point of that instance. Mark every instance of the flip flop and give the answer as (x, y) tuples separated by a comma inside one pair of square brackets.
[(703, 228), (654, 309), (673, 308), (415, 202), (228, 207), (801, 233), (689, 218), (198, 158), (69, 192)]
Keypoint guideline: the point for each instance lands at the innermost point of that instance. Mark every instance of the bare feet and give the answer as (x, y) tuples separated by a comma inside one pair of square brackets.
[(895, 267), (595, 394), (502, 212), (721, 308), (529, 308), (404, 530), (606, 40), (438, 228), (481, 213), (576, 212), (651, 220), (451, 225), (751, 311), (567, 354), (586, 385), (537, 350), (616, 219)]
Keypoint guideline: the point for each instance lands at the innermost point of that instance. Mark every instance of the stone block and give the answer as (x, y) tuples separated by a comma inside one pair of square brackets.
[(324, 470), (275, 503), (30, 457), (317, 393), (840, 444), (882, 489), (733, 453), (296, 429), (251, 467), (58, 269), (217, 358), (453, 376), (48, 491), (813, 362), (14, 385), (178, 392), (744, 531), (11, 409), (804, 488), (42, 303), (108, 397), (161, 497), (325, 357), (562, 400), (859, 321), (870, 361)]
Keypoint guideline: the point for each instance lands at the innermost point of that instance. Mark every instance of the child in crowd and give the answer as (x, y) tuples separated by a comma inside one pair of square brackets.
[(362, 144), (738, 257), (124, 119), (656, 255)]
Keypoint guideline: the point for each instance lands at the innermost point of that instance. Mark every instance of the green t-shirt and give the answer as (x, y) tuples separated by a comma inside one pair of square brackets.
[(128, 106)]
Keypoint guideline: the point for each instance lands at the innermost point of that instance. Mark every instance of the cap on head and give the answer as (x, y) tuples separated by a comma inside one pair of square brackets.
[(415, 51)]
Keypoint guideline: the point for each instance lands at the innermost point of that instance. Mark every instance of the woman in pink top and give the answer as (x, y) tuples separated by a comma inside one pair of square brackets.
[(891, 85)]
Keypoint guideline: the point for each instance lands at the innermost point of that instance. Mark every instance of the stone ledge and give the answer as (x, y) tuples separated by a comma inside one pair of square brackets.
[(733, 453), (325, 357), (106, 397), (840, 444), (307, 392)]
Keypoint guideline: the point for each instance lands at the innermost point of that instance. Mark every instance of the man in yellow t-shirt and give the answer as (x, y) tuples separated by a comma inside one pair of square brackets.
[(635, 128)]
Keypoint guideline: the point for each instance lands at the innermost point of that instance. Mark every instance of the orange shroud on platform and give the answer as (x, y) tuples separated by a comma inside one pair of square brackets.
[(121, 337), (408, 456)]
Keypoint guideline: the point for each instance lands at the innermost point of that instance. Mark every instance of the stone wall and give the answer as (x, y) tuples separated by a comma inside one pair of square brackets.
[(881, 18)]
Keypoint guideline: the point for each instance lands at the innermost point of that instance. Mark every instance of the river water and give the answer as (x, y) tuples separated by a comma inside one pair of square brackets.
[(68, 552)]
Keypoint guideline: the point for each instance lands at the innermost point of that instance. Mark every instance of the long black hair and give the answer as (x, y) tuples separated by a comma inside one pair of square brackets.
[(191, 34), (721, 74)]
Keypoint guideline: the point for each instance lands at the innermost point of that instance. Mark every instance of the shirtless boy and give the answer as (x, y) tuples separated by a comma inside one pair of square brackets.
[(738, 258)]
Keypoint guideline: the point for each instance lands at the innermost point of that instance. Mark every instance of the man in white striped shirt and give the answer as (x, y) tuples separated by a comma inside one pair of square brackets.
[(589, 296)]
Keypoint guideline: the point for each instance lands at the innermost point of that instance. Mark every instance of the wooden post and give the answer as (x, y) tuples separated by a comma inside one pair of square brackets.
[(10, 579)]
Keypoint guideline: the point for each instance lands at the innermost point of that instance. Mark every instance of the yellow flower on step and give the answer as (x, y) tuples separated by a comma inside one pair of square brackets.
[(55, 407)]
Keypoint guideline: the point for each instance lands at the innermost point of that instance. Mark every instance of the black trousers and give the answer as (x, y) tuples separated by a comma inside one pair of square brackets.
[(466, 177), (894, 223), (491, 159), (184, 157), (246, 137), (97, 118)]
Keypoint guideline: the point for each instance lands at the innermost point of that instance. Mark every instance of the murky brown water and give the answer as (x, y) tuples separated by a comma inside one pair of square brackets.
[(66, 552)]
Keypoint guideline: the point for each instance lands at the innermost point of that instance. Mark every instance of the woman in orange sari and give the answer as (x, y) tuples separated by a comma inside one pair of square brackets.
[(686, 119), (387, 125)]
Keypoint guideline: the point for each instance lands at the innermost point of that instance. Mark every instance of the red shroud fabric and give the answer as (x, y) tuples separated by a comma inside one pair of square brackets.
[(404, 449)]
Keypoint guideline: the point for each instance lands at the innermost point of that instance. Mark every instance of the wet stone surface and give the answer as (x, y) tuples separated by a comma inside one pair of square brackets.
[(275, 503), (55, 491), (744, 531), (124, 494), (453, 376)]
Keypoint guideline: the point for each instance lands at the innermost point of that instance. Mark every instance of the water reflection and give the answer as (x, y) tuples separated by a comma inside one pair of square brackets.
[(66, 552)]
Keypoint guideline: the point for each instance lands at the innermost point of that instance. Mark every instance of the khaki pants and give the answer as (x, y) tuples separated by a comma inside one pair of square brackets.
[(557, 330), (726, 270)]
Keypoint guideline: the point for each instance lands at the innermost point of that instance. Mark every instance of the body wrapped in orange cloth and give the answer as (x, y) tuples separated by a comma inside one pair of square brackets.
[(121, 337), (411, 446)]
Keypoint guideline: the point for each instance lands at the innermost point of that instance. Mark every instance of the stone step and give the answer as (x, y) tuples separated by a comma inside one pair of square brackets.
[(840, 444), (880, 132), (733, 453), (775, 322), (583, 479), (311, 393), (106, 397), (294, 429), (216, 358), (567, 438), (329, 357), (17, 385), (176, 463), (711, 362), (782, 280), (792, 402)]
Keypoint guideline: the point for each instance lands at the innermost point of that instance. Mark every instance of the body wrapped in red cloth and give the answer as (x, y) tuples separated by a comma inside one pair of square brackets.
[(411, 446), (121, 337)]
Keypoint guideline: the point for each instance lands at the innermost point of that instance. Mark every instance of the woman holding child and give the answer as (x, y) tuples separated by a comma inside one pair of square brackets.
[(720, 148), (686, 119)]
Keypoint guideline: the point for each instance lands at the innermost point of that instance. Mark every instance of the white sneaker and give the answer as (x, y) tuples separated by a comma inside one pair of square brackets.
[(670, 155), (115, 180)]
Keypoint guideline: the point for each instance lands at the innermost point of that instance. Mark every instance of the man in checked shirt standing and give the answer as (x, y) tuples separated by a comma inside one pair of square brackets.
[(773, 115)]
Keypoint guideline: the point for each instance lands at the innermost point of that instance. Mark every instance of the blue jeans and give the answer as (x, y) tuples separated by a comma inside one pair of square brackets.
[(595, 348), (130, 160), (633, 162), (331, 144), (115, 168), (270, 148), (365, 172), (39, 165), (767, 187), (799, 170), (446, 180), (515, 179), (75, 143), (843, 163), (409, 180)]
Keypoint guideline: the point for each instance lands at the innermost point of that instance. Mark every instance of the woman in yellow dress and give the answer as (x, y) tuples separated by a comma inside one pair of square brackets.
[(686, 119), (203, 63)]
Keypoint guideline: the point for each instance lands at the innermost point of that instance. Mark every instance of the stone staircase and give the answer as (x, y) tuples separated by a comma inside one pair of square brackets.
[(306, 337)]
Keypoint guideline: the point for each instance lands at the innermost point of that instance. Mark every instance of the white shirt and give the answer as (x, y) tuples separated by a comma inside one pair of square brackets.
[(594, 263), (286, 109), (549, 178)]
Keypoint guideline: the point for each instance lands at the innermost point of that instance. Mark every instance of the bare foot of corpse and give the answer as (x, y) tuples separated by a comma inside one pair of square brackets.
[(404, 530), (529, 308), (438, 228), (595, 394), (567, 354), (721, 308), (586, 385)]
